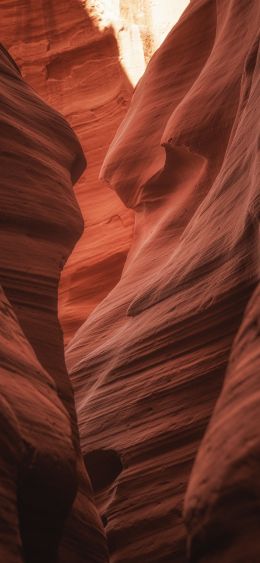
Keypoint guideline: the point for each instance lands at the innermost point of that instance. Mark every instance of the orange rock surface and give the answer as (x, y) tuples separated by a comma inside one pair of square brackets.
[(149, 363), (37, 457), (223, 497), (76, 69), (46, 510), (166, 369), (83, 66)]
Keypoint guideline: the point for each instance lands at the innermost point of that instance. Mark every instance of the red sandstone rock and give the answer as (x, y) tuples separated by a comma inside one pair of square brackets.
[(41, 466), (38, 471), (223, 499), (75, 68), (222, 504), (148, 364), (40, 217)]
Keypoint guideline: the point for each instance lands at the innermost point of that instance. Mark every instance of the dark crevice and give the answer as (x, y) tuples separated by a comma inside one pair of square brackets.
[(103, 467)]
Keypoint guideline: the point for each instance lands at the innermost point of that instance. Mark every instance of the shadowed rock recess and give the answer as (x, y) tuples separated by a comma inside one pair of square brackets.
[(166, 369)]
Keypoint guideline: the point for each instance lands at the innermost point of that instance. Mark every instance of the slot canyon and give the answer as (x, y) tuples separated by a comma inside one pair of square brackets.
[(129, 281)]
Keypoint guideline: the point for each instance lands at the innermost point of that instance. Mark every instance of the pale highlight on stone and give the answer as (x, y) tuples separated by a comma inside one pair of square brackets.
[(140, 27)]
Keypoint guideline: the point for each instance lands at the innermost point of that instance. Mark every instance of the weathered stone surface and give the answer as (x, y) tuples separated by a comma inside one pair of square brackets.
[(149, 363), (44, 486), (222, 504), (75, 67), (85, 67), (38, 462)]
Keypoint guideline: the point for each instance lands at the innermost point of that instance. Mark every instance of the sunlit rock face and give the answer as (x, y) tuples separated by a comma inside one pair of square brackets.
[(149, 363), (86, 68), (47, 513), (140, 27)]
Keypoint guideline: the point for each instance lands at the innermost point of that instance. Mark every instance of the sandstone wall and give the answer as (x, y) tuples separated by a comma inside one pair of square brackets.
[(83, 67), (75, 67), (47, 511), (149, 363), (223, 498)]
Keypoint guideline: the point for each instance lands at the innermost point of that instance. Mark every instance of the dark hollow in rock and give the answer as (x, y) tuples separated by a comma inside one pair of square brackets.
[(103, 467)]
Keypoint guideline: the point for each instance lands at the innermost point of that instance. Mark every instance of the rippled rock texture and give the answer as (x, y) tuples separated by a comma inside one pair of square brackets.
[(75, 67), (149, 363), (83, 58), (222, 504), (47, 512)]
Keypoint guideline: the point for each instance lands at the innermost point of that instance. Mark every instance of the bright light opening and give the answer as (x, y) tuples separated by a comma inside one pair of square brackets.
[(140, 27)]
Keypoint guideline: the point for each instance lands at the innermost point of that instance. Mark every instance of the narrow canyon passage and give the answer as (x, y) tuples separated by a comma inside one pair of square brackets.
[(149, 363), (129, 281), (84, 59)]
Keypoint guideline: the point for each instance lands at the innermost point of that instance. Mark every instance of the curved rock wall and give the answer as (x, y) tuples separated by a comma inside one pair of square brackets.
[(223, 498), (83, 66), (75, 67), (149, 363), (37, 457), (47, 510)]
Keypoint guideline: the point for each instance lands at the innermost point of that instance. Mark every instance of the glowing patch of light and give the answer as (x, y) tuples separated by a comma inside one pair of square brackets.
[(140, 26)]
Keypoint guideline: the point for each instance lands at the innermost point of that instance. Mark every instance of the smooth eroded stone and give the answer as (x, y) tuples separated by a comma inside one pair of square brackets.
[(222, 504), (46, 498), (148, 364)]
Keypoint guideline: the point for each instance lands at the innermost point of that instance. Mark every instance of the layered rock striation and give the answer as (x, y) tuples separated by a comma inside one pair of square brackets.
[(223, 498), (38, 466), (83, 58), (149, 363), (47, 510), (75, 67), (177, 339)]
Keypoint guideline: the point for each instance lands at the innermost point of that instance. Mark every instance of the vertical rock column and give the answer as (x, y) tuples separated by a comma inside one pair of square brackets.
[(41, 159)]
